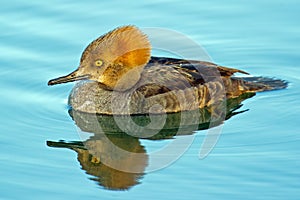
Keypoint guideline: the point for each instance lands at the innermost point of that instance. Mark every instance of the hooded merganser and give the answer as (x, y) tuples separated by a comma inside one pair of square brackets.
[(125, 79)]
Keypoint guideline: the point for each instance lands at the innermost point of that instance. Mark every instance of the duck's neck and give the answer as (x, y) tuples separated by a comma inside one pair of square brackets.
[(120, 79)]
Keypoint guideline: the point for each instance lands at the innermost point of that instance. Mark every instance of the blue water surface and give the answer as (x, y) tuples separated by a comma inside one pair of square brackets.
[(257, 154)]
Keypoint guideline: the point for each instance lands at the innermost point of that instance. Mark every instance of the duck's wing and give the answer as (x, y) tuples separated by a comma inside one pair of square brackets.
[(200, 67), (162, 74)]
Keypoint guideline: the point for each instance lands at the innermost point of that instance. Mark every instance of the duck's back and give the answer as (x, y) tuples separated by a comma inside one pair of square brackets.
[(168, 74)]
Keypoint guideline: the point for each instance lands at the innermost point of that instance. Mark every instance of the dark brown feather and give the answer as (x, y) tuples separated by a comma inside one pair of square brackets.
[(166, 74)]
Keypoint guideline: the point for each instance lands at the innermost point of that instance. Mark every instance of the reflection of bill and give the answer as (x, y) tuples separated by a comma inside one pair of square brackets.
[(100, 155)]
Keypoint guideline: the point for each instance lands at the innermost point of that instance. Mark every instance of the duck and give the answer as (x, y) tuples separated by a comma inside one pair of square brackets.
[(118, 76)]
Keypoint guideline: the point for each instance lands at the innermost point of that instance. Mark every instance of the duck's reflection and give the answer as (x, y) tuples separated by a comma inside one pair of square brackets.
[(115, 157)]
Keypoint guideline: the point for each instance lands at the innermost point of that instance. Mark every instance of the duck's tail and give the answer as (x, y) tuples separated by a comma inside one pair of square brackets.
[(259, 84), (236, 86)]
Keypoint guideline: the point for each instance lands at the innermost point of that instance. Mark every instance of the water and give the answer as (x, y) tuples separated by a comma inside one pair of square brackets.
[(256, 156)]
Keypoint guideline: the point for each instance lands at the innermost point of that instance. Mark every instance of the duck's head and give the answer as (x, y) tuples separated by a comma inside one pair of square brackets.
[(115, 59)]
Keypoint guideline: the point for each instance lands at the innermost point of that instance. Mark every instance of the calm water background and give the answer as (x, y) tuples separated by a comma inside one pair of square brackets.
[(257, 156)]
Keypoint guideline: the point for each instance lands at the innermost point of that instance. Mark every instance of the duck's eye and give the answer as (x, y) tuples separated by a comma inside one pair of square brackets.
[(98, 63)]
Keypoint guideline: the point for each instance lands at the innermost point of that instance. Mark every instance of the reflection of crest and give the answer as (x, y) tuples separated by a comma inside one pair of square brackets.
[(103, 147)]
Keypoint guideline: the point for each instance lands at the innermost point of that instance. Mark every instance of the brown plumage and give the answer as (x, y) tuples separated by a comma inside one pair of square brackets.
[(128, 81)]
